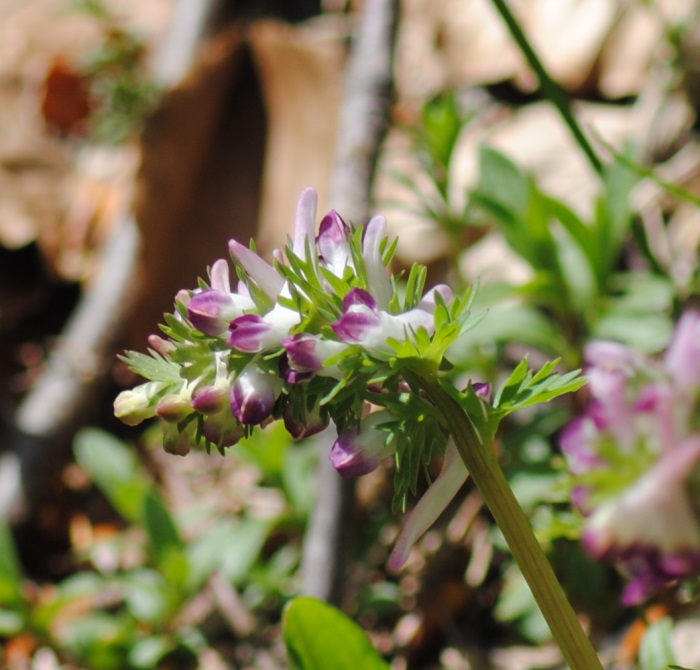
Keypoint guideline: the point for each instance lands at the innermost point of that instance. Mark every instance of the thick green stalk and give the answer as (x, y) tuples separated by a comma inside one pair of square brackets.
[(486, 472), (552, 91)]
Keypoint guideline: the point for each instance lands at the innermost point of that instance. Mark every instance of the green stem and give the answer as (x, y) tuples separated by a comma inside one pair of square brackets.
[(552, 91), (486, 472)]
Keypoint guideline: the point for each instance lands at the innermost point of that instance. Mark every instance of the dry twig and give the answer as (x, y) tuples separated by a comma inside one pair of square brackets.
[(363, 122)]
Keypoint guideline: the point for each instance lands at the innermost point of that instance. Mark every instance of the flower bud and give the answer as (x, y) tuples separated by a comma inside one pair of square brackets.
[(310, 423), (254, 394), (160, 345), (332, 241), (211, 399), (357, 453), (222, 428), (177, 442), (135, 405), (252, 333), (174, 408)]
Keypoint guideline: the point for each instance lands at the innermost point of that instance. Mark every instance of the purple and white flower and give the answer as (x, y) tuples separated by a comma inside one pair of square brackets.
[(332, 242), (363, 323), (254, 394), (640, 426), (292, 341), (252, 333), (213, 309), (308, 353)]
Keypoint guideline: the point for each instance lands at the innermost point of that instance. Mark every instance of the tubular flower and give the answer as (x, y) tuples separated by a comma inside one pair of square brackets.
[(317, 336), (212, 310), (309, 353), (364, 324), (641, 425)]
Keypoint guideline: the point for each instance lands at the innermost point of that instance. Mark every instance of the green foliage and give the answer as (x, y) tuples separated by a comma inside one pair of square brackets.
[(122, 93), (129, 615), (656, 651), (116, 470), (10, 570), (525, 389), (517, 606), (319, 637)]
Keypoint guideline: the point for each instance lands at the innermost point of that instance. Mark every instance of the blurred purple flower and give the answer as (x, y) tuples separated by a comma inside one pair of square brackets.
[(641, 427)]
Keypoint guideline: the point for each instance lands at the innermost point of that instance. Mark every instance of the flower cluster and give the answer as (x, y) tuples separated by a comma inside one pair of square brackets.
[(324, 334), (635, 456)]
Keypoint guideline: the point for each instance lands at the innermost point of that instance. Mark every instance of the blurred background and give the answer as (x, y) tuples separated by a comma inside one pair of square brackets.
[(137, 138)]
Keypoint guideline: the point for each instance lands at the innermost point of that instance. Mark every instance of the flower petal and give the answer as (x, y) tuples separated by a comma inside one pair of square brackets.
[(247, 333), (359, 319), (262, 273), (683, 355), (211, 311), (252, 333), (219, 276), (377, 275), (305, 223), (308, 353), (431, 505), (332, 242)]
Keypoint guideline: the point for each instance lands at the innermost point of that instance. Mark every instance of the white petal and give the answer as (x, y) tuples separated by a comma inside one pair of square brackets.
[(451, 478)]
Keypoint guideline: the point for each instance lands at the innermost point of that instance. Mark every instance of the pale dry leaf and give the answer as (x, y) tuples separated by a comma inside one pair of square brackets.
[(301, 70), (450, 43), (568, 36), (38, 172), (628, 53)]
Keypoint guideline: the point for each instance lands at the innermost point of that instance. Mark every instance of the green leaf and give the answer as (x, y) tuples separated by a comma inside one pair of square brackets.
[(115, 470), (516, 604), (153, 367), (148, 652), (168, 548), (646, 333), (442, 124), (523, 389), (231, 547), (11, 623), (501, 183), (656, 651), (319, 637), (148, 596), (10, 570), (100, 638)]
